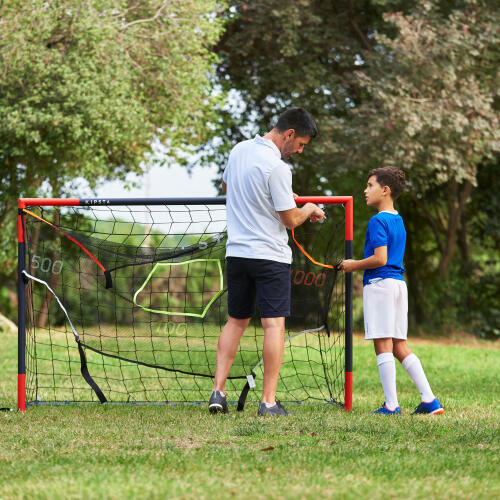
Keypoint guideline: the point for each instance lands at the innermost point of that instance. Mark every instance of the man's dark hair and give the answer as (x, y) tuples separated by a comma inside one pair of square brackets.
[(298, 119), (392, 177)]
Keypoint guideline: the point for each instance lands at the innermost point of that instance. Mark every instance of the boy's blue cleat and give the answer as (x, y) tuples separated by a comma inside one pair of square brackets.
[(383, 410), (432, 408)]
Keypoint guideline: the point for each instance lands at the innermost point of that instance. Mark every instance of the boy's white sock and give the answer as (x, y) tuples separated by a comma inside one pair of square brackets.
[(387, 370), (414, 368)]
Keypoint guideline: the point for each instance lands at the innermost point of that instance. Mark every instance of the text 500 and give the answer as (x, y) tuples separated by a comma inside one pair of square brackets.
[(46, 265)]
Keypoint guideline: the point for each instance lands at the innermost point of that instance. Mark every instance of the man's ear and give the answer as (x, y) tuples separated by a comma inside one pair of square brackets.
[(289, 133)]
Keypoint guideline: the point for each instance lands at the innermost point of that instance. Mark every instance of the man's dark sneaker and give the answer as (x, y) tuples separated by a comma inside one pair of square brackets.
[(217, 403), (277, 410)]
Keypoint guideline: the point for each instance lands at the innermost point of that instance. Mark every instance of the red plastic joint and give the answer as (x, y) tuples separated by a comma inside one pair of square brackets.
[(21, 391)]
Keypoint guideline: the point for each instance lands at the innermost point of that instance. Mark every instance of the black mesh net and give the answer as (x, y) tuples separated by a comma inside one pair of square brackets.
[(142, 289)]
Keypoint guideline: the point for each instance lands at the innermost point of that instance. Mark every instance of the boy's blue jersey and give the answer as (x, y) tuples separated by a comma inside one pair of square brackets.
[(385, 229)]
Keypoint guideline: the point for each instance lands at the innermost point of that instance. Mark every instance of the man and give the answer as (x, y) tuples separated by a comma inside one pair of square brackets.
[(260, 208)]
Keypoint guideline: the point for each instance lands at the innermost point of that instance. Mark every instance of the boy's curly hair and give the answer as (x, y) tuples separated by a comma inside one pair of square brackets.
[(392, 177)]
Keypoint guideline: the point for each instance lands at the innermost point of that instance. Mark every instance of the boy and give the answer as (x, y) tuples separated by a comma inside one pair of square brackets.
[(385, 298)]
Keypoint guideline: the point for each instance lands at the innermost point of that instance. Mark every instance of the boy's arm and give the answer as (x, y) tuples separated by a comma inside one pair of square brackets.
[(378, 259)]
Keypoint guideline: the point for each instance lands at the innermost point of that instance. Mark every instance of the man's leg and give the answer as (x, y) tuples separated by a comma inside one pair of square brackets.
[(273, 349), (229, 341)]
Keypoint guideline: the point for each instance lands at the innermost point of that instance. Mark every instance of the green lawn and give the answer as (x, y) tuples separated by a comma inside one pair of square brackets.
[(319, 452)]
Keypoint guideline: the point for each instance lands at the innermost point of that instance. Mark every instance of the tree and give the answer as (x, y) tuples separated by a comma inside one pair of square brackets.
[(87, 87), (431, 111), (279, 53), (388, 81)]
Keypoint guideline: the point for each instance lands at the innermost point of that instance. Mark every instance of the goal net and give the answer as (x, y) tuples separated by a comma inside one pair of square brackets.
[(122, 301)]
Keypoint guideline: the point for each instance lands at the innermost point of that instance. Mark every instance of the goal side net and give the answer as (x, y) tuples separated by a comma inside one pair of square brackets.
[(123, 300)]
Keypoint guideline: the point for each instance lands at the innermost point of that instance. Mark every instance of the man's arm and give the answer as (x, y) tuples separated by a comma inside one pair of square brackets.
[(378, 259), (224, 187), (297, 216)]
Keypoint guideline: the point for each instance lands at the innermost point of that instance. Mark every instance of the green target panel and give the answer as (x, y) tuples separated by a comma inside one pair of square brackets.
[(186, 288)]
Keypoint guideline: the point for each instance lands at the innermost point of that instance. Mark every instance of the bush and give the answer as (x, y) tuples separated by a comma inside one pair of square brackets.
[(484, 307)]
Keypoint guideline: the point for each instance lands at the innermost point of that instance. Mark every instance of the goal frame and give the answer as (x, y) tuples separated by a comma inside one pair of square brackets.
[(23, 203)]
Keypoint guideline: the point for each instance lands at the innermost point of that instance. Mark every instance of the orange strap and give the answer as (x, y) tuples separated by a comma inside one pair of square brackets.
[(308, 256), (67, 236)]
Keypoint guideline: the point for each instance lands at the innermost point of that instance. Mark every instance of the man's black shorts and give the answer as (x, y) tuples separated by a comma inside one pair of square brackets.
[(257, 280)]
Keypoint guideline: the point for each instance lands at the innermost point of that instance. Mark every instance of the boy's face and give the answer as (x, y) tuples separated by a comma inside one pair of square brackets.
[(375, 194)]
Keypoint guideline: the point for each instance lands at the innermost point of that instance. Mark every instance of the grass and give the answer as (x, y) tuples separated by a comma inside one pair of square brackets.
[(319, 452)]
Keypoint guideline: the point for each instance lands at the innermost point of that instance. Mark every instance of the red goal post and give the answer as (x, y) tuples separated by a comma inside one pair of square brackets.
[(346, 201)]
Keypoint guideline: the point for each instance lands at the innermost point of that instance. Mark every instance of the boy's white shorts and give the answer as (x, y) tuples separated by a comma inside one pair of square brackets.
[(385, 306)]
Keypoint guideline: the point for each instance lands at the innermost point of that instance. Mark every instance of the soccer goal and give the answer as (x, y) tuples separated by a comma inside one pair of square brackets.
[(121, 301)]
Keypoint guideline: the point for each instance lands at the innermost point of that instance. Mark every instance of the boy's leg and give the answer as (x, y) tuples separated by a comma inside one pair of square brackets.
[(387, 371), (227, 346), (400, 349), (412, 365), (272, 353)]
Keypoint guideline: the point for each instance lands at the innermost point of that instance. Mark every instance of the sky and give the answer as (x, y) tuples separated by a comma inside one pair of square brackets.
[(174, 181), (164, 182)]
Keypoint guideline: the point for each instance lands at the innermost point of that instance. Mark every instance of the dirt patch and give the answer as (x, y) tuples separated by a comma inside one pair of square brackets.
[(458, 339)]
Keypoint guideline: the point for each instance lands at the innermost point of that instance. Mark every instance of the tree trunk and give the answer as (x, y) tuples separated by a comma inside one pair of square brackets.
[(463, 240), (457, 201), (413, 264)]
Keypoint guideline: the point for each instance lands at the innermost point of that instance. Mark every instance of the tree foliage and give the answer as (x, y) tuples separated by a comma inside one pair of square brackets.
[(301, 52), (87, 86), (433, 112), (390, 82)]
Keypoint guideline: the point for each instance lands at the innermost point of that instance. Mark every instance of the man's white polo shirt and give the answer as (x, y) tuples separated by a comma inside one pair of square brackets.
[(259, 184)]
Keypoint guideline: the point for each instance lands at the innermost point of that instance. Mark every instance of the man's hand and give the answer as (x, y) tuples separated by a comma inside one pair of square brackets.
[(317, 214), (297, 216)]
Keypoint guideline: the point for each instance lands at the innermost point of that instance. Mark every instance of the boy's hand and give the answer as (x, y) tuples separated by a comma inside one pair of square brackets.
[(348, 265)]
